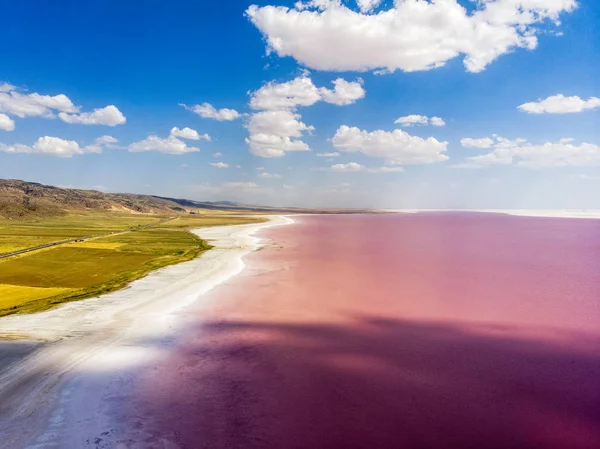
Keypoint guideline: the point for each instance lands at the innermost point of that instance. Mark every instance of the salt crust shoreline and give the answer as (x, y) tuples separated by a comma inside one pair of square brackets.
[(64, 393)]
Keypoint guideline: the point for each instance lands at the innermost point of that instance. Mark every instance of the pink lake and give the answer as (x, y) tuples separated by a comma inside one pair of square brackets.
[(394, 331)]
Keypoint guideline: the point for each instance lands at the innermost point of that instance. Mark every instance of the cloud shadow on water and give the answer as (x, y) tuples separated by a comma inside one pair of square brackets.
[(374, 383)]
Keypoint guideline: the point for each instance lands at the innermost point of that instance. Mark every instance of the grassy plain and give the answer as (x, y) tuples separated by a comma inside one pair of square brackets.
[(20, 234), (42, 279)]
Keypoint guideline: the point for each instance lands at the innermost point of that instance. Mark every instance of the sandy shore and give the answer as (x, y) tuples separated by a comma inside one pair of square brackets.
[(64, 372)]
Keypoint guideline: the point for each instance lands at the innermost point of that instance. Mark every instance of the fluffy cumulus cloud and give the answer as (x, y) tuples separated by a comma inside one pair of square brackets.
[(220, 164), (277, 127), (100, 143), (298, 92), (367, 5), (413, 119), (6, 87), (469, 142), (350, 166), (437, 121), (559, 104), (397, 147), (269, 145), (6, 123), (16, 103), (109, 116), (521, 153), (188, 133), (24, 105), (344, 92), (168, 145), (207, 110), (278, 123), (411, 35), (301, 91), (55, 146)]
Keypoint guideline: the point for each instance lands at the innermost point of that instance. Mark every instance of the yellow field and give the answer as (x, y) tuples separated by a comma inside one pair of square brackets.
[(202, 221), (16, 235), (96, 244), (14, 295), (42, 279)]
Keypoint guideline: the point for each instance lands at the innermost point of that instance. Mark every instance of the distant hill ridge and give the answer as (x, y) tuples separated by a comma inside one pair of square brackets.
[(21, 199)]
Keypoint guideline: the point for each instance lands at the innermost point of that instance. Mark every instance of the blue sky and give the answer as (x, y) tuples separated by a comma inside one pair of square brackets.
[(275, 64)]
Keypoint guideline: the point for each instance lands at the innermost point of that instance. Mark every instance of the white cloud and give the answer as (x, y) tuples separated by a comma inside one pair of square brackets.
[(468, 142), (6, 87), (57, 147), (414, 119), (412, 35), (437, 121), (32, 105), (268, 145), (105, 140), (344, 92), (207, 110), (109, 116), (559, 104), (24, 105), (278, 128), (367, 5), (188, 133), (54, 146), (333, 154), (277, 123), (269, 175), (397, 147), (301, 91), (277, 96), (169, 145), (6, 123), (100, 143), (524, 154), (220, 164), (217, 154), (410, 120), (350, 166)]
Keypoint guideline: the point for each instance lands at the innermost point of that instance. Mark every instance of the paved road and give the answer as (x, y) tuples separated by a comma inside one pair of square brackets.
[(81, 239)]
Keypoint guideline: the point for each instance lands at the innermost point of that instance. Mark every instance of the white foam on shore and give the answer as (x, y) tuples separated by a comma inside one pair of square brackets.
[(108, 337)]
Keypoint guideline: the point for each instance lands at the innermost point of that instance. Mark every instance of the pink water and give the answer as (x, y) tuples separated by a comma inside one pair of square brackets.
[(395, 331)]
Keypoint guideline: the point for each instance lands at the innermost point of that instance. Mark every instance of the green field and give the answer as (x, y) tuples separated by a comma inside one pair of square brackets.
[(16, 235), (42, 279)]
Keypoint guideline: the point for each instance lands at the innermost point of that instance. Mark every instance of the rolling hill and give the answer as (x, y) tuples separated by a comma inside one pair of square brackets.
[(22, 200)]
